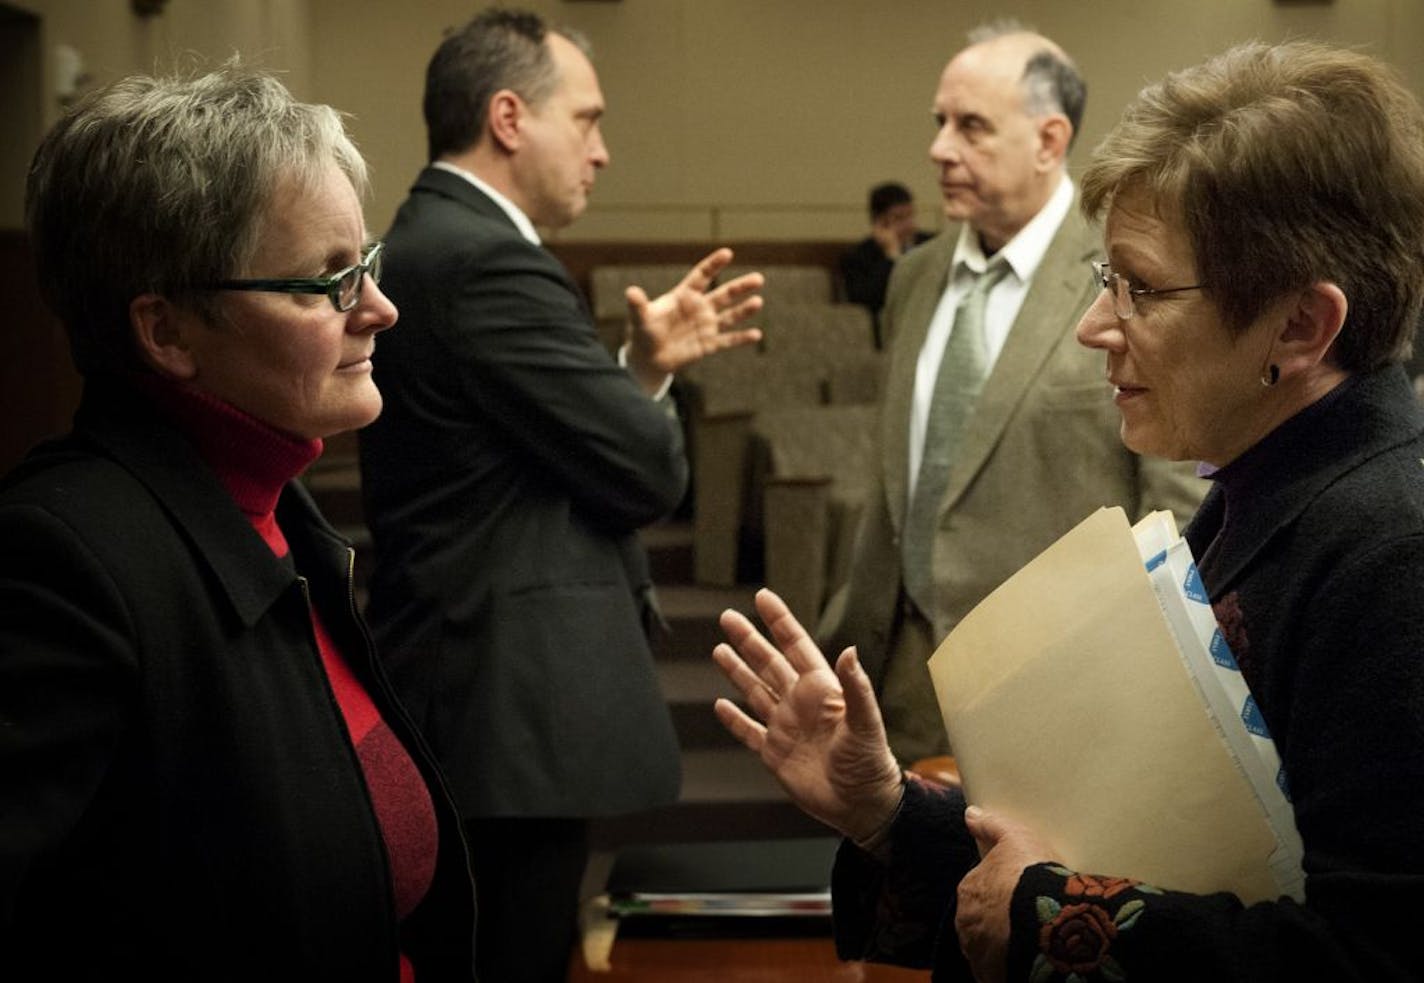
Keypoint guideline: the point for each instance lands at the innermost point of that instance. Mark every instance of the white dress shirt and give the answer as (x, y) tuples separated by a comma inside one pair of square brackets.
[(520, 220), (1024, 252)]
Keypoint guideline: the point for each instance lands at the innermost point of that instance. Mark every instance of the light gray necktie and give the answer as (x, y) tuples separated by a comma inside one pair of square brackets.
[(961, 376)]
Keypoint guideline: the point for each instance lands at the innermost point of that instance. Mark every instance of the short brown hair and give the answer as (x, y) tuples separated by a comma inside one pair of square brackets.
[(1288, 164)]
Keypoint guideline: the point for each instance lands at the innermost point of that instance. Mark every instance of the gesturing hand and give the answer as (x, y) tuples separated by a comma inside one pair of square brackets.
[(818, 731), (690, 321)]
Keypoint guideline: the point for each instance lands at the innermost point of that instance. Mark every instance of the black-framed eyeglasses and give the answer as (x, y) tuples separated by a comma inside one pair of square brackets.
[(1123, 292), (343, 288)]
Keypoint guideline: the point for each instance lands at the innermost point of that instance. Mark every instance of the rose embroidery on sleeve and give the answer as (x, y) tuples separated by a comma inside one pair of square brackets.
[(1075, 938), (1088, 886)]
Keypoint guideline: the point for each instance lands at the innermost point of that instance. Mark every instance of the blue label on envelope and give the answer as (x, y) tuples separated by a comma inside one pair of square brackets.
[(1156, 561), (1221, 652), (1193, 587), (1251, 717)]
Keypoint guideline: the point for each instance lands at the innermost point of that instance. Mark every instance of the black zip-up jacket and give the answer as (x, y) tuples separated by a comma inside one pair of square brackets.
[(179, 795)]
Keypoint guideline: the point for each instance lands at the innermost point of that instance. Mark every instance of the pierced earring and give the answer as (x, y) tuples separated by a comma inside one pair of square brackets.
[(1271, 376)]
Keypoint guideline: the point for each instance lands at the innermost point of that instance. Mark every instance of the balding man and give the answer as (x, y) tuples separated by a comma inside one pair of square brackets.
[(993, 443)]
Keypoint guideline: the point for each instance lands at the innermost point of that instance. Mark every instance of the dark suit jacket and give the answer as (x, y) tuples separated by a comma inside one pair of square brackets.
[(504, 483), (1041, 452), (180, 798)]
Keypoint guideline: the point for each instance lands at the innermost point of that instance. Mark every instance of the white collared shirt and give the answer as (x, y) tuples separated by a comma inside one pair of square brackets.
[(520, 220), (1024, 252)]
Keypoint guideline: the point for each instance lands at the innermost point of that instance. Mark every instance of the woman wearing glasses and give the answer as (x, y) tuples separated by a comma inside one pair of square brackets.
[(203, 772), (1264, 230)]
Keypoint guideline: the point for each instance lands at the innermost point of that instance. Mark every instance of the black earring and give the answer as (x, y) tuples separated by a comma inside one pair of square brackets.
[(1271, 376)]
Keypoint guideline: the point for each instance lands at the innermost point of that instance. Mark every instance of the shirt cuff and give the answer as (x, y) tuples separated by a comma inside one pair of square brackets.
[(662, 392)]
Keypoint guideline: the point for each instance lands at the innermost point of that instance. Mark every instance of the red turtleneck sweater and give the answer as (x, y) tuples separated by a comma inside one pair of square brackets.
[(254, 461)]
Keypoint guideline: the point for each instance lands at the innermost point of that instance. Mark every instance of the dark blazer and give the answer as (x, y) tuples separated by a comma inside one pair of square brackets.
[(179, 795), (504, 483)]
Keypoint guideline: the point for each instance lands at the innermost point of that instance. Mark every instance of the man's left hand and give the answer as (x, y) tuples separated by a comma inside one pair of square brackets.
[(690, 321)]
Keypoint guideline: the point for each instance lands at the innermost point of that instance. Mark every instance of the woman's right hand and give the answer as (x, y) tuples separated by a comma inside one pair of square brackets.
[(818, 731)]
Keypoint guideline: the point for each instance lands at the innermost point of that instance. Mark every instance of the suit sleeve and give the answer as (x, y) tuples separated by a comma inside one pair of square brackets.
[(67, 684), (531, 362), (899, 908)]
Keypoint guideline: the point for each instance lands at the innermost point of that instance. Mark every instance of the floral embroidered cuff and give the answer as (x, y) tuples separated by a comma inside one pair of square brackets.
[(1067, 926)]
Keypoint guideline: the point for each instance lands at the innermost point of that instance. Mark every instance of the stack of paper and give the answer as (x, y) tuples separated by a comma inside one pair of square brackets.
[(1082, 698)]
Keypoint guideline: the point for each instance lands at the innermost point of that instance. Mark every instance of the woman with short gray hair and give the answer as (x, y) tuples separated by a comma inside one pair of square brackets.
[(204, 773)]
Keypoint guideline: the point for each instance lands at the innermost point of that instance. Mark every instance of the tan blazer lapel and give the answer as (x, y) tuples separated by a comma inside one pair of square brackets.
[(1058, 286), (911, 323)]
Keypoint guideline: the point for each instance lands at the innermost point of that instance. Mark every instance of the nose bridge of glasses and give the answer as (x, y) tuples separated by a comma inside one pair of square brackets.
[(1116, 285), (348, 287), (374, 260)]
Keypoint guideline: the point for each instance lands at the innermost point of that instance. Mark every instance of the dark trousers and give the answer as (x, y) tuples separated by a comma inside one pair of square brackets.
[(527, 873)]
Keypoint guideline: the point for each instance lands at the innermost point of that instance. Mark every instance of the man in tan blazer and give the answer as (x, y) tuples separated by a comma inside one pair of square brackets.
[(1039, 450)]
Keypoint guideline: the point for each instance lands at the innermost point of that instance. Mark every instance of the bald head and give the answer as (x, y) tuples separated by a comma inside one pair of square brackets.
[(1007, 108), (1048, 78)]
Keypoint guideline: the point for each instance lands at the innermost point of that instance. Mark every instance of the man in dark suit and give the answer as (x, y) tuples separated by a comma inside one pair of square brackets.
[(508, 474), (1038, 447)]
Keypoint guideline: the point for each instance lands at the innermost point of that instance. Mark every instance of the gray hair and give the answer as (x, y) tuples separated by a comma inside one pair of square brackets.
[(999, 27), (1051, 82), (161, 185), (497, 49)]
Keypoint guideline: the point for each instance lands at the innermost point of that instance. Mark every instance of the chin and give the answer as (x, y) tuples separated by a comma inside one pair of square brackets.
[(957, 211), (1140, 441), (353, 418), (1150, 444)]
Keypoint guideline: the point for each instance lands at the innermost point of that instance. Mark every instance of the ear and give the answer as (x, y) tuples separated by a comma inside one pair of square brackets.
[(160, 331), (1313, 319), (1054, 135), (505, 118)]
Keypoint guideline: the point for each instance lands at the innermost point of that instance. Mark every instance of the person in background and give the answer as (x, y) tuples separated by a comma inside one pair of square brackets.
[(865, 267), (996, 436), (1264, 272), (204, 772), (507, 479)]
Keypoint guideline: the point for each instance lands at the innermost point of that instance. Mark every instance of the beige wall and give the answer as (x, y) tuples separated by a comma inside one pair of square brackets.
[(113, 41), (737, 119), (770, 118)]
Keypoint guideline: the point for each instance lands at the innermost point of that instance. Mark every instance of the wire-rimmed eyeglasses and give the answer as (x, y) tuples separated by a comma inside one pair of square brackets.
[(1123, 292), (343, 288)]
